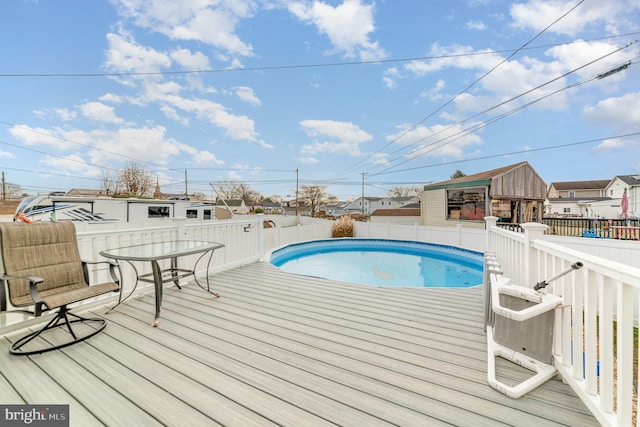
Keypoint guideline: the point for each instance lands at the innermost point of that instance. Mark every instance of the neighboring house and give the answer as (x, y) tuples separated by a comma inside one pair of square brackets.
[(592, 199), (335, 209), (581, 207), (225, 209), (409, 214), (578, 189), (396, 202), (272, 208), (370, 204), (513, 193), (617, 187)]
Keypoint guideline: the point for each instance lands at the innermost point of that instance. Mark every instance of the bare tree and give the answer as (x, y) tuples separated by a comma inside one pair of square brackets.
[(109, 182), (135, 180), (313, 196), (230, 190), (11, 191), (402, 191)]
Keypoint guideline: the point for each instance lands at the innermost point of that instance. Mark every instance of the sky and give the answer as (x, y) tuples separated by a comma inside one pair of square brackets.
[(357, 96)]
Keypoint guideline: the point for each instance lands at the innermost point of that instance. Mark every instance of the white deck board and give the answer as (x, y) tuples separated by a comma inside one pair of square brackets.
[(280, 349)]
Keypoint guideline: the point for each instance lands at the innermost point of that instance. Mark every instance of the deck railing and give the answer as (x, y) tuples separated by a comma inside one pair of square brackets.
[(596, 327), (594, 346)]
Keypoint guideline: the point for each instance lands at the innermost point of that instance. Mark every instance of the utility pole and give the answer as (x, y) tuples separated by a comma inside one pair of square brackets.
[(4, 188), (363, 174), (296, 192), (186, 193)]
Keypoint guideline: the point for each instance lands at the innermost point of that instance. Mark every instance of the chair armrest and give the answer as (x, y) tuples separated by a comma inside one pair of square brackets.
[(34, 281), (112, 270)]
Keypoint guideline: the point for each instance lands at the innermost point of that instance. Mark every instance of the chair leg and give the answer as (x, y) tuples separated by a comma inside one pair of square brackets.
[(60, 320)]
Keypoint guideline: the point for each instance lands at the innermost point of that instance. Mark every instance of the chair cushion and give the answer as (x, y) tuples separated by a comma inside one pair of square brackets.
[(47, 250)]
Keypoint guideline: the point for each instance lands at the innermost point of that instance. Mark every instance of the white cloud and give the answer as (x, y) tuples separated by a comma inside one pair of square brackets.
[(207, 158), (210, 22), (620, 112), (246, 94), (436, 92), (308, 160), (28, 135), (347, 25), (65, 114), (611, 144), (536, 15), (348, 135), (125, 55), (441, 141), (128, 143), (99, 112), (111, 97), (390, 76), (72, 164), (475, 25), (190, 60)]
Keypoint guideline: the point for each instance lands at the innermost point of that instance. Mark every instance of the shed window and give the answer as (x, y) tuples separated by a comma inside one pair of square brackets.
[(466, 204)]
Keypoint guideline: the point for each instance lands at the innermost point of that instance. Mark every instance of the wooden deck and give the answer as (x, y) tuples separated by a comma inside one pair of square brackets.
[(280, 349)]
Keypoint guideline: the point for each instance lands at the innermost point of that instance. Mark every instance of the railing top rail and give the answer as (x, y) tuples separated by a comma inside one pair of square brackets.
[(508, 233), (620, 272), (165, 226)]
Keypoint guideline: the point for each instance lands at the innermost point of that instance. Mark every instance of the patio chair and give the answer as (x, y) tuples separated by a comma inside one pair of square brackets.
[(43, 271)]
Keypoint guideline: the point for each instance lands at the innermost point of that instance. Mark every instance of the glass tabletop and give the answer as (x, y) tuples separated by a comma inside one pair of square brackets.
[(160, 250)]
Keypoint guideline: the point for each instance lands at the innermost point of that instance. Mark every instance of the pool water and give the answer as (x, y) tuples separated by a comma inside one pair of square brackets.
[(380, 262)]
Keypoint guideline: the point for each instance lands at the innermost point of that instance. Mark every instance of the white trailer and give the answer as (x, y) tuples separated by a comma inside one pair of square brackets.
[(109, 209)]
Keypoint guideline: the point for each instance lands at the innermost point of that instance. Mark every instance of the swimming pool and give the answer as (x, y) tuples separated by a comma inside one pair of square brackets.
[(382, 262)]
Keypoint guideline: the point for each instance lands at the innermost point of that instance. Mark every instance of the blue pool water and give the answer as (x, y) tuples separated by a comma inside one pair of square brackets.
[(381, 262)]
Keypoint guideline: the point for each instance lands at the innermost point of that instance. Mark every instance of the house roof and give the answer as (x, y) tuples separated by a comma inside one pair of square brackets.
[(630, 179), (230, 202), (270, 205), (599, 184), (485, 176), (517, 181), (403, 198), (397, 212), (576, 199)]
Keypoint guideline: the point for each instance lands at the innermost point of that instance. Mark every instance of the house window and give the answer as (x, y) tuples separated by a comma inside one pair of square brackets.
[(572, 194), (566, 210), (192, 213), (207, 214), (466, 204)]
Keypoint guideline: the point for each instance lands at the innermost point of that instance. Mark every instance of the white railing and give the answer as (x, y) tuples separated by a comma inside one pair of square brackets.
[(596, 361), (467, 238), (594, 328)]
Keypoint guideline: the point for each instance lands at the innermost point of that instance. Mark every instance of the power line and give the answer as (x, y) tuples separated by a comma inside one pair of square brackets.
[(303, 66), (448, 139), (532, 150), (469, 86)]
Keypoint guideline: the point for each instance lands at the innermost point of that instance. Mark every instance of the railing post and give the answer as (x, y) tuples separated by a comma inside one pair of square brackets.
[(179, 221), (490, 221), (260, 240), (532, 231)]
